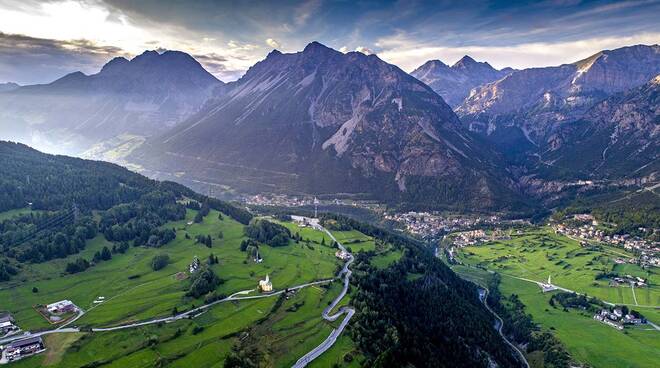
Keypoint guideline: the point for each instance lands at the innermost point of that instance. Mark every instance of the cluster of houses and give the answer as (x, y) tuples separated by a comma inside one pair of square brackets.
[(473, 237), (303, 221), (615, 318), (434, 224), (22, 348), (7, 326), (628, 279), (649, 252)]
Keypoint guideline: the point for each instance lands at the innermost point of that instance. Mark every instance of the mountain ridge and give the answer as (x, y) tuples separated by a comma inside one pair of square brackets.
[(137, 97), (355, 115), (455, 82)]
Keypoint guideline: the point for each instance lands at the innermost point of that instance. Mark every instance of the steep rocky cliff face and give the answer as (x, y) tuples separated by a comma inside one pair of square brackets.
[(455, 82), (320, 121), (618, 137), (531, 114), (142, 96), (535, 100)]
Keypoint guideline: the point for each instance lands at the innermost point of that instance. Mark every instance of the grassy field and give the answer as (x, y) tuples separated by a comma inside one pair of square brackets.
[(586, 339), (13, 213), (539, 253), (133, 291)]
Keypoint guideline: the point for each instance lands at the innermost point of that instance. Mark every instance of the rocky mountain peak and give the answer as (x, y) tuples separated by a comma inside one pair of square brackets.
[(115, 65), (469, 64), (464, 62), (299, 115), (454, 83), (317, 48)]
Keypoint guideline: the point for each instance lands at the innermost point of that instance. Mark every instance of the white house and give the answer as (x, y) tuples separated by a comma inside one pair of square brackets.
[(63, 306)]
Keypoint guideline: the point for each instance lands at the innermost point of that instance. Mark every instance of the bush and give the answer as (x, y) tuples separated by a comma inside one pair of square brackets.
[(160, 261), (79, 265), (203, 282)]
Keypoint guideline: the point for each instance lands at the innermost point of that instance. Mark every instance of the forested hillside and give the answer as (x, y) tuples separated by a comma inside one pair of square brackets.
[(62, 202)]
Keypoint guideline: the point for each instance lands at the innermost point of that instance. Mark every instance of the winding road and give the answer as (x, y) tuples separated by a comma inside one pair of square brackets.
[(483, 296), (332, 338)]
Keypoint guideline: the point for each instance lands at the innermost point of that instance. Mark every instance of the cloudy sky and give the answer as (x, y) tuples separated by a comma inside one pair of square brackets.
[(43, 40)]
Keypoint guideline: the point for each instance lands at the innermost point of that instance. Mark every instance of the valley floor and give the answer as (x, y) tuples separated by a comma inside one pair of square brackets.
[(531, 257)]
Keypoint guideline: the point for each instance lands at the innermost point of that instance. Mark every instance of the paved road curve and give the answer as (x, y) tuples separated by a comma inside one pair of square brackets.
[(483, 295), (332, 338), (188, 314)]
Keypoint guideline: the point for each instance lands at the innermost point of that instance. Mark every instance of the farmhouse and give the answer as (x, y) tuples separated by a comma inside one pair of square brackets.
[(608, 318), (61, 307), (194, 266), (265, 285), (7, 324), (20, 349), (343, 255)]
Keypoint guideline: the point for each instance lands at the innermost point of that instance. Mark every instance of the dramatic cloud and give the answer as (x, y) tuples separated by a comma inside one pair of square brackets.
[(272, 43), (235, 35), (28, 60), (364, 50)]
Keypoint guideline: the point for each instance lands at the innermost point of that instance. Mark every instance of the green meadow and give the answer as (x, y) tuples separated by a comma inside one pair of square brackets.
[(538, 253), (585, 339), (284, 331)]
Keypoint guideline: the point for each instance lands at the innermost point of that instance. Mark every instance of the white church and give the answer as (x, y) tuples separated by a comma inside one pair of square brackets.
[(265, 285)]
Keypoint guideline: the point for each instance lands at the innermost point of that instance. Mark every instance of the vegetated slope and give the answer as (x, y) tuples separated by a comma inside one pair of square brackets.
[(523, 112), (142, 96), (320, 121), (455, 82), (618, 137), (418, 312), (66, 190)]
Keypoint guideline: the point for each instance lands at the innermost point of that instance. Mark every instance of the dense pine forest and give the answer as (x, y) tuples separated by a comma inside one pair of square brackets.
[(63, 202)]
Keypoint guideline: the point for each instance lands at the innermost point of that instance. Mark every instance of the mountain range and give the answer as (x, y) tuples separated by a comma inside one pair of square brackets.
[(455, 82), (150, 93), (324, 122), (320, 121)]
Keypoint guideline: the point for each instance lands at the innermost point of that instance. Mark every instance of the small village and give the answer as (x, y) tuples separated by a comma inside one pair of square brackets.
[(433, 224), (648, 253), (617, 318)]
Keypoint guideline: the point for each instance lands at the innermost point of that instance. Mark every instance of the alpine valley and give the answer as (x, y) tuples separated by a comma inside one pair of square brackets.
[(327, 208)]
